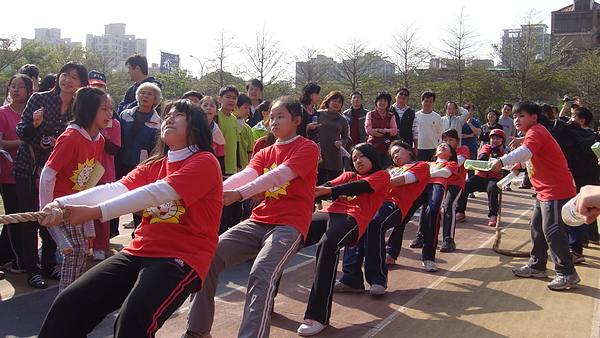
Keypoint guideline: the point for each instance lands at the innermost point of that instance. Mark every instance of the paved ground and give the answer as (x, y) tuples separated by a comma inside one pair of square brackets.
[(473, 294)]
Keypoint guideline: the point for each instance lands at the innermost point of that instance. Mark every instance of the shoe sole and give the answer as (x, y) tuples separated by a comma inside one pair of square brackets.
[(532, 275), (377, 293), (308, 334)]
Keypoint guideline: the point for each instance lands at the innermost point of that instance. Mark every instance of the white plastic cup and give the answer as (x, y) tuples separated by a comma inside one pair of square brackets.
[(570, 215)]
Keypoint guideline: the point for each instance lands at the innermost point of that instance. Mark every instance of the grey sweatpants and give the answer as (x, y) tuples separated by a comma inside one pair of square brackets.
[(548, 231), (273, 246)]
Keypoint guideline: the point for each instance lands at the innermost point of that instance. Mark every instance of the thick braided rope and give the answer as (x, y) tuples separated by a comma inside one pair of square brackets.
[(22, 217)]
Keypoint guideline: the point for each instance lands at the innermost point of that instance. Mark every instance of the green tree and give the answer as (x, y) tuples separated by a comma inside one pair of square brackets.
[(585, 78)]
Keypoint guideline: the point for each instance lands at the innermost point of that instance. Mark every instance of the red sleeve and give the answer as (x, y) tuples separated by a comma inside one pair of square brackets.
[(185, 179), (343, 178), (63, 153), (453, 166), (486, 149), (137, 177), (379, 180), (534, 138), (421, 171), (302, 163)]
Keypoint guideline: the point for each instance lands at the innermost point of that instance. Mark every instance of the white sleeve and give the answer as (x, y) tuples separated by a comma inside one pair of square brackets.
[(409, 178), (521, 154), (150, 195), (94, 195), (274, 178), (445, 173), (461, 160), (47, 184), (239, 179)]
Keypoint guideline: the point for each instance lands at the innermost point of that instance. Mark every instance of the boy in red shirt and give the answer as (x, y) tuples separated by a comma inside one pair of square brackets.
[(545, 163)]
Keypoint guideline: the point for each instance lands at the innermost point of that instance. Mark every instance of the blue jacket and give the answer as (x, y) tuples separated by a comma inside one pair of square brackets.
[(133, 151)]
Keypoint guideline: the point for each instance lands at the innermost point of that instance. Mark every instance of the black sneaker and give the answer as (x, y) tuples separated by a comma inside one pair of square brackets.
[(54, 275), (37, 282), (448, 245), (417, 242)]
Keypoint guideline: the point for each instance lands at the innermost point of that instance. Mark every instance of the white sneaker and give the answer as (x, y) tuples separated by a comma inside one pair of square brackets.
[(377, 289), (429, 266), (99, 255), (310, 327)]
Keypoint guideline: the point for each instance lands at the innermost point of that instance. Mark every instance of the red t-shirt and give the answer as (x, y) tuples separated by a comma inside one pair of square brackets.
[(291, 204), (74, 158), (8, 123), (460, 178), (405, 195), (547, 169), (496, 152), (188, 228), (434, 166), (364, 206)]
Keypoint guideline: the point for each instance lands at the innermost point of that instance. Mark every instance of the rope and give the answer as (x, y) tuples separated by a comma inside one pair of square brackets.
[(27, 217), (498, 236)]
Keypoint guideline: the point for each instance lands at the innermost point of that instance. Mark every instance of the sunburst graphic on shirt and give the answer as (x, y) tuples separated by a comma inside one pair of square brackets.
[(82, 174), (397, 171), (169, 212), (276, 191), (433, 166)]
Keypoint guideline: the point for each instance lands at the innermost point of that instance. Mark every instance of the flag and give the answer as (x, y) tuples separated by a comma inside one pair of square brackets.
[(168, 62)]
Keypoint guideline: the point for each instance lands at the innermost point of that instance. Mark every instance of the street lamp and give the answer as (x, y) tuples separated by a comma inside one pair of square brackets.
[(201, 64)]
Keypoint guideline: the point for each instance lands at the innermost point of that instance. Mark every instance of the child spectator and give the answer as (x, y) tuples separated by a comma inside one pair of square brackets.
[(262, 127), (454, 190), (545, 162), (228, 123), (209, 105), (78, 150), (245, 137), (485, 180)]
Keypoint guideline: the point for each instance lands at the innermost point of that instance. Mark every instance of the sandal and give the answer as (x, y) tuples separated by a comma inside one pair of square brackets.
[(37, 282), (54, 275)]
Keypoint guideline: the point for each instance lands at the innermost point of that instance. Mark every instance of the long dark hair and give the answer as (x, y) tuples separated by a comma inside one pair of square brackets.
[(26, 79), (295, 109), (370, 152), (198, 133), (402, 144)]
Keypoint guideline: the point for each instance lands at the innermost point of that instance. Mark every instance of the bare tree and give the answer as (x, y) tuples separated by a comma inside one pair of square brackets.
[(224, 44), (265, 58), (407, 53), (311, 66), (458, 47), (355, 63), (585, 76), (530, 64)]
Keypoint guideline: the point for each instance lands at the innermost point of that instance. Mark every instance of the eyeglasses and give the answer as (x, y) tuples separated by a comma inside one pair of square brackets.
[(403, 94)]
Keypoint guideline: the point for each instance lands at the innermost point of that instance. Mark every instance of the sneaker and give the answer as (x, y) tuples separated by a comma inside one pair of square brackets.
[(1, 274), (417, 242), (54, 275), (527, 271), (37, 282), (429, 266), (377, 289), (389, 260), (341, 287), (493, 221), (507, 188), (562, 282), (577, 257), (471, 195), (310, 327), (460, 217), (99, 255), (129, 225), (190, 334), (448, 245)]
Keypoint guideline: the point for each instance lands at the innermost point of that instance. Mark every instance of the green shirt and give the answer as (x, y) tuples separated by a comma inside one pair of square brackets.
[(246, 142), (228, 126)]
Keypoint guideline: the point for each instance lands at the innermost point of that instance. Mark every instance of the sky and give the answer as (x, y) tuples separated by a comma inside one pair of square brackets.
[(191, 27)]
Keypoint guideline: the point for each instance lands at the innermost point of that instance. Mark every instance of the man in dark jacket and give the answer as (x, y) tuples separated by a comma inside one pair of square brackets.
[(356, 116), (408, 127), (137, 68)]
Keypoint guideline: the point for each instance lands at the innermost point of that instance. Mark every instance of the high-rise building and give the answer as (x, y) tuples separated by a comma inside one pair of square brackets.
[(577, 24), (115, 45), (532, 40), (51, 36)]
